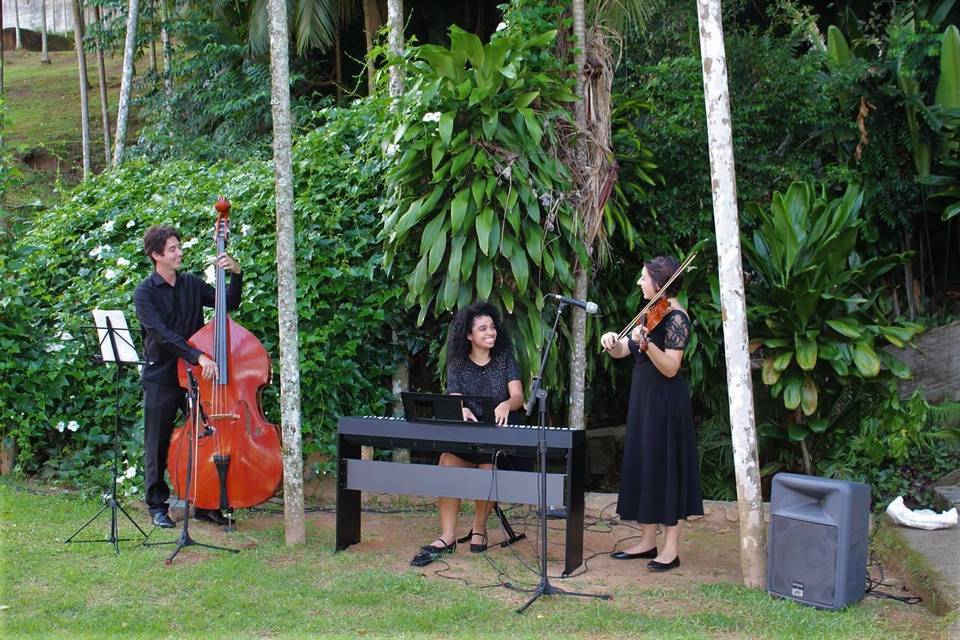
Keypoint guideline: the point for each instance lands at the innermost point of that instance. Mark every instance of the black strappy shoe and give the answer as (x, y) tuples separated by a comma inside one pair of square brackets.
[(475, 548), (429, 552)]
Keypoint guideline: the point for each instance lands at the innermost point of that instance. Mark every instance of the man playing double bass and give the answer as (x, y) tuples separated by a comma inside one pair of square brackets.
[(169, 307)]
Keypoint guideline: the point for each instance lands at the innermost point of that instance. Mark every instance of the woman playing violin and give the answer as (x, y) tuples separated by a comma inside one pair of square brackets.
[(660, 478)]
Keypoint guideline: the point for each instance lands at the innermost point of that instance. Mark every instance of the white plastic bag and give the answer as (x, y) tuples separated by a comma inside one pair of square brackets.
[(921, 518)]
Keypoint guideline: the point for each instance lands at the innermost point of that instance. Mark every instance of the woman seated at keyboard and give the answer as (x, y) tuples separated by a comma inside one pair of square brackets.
[(480, 362)]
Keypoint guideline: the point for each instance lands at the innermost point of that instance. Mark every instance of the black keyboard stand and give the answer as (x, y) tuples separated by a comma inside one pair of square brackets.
[(507, 529)]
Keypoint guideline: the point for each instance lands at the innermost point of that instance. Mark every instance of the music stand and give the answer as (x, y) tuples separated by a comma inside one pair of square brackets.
[(538, 397), (116, 346)]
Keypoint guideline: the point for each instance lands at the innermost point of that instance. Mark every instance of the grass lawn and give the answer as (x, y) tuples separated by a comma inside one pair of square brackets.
[(43, 121), (268, 590)]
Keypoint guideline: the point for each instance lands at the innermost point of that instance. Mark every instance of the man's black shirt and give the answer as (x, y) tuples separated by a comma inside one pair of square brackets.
[(170, 315)]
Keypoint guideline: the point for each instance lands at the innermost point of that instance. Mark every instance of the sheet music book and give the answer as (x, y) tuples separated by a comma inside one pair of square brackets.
[(126, 353)]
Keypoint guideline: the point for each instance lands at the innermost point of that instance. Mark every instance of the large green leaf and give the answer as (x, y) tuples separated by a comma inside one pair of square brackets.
[(484, 222), (797, 431), (458, 210), (849, 328), (484, 278), (446, 126), (809, 396), (792, 390), (866, 359), (806, 350), (896, 366), (768, 373)]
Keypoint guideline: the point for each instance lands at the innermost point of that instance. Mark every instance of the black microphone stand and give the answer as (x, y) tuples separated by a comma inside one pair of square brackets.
[(184, 540), (538, 396), (112, 502)]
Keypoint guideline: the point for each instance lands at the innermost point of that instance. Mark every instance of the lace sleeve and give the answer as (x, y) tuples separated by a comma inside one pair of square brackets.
[(678, 331)]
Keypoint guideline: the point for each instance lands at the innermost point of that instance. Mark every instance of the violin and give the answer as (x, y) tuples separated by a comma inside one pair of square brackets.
[(237, 457), (657, 312), (658, 306)]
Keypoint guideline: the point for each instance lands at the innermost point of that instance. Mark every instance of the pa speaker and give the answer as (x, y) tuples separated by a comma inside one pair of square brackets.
[(818, 540)]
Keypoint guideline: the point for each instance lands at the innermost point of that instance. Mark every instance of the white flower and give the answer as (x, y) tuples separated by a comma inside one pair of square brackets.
[(123, 262), (108, 225), (501, 26), (189, 243), (53, 348), (131, 472), (73, 425), (109, 274), (211, 274), (134, 488), (391, 149), (433, 116), (65, 336), (244, 229), (96, 252), (60, 426), (131, 223)]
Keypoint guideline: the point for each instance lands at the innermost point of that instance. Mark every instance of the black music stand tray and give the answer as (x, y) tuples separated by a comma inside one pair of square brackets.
[(538, 396), (184, 539), (114, 345)]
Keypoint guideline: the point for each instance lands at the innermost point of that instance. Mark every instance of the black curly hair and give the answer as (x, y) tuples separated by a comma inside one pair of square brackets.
[(458, 347)]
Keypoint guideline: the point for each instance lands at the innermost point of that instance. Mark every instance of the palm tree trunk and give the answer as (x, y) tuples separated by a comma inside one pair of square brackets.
[(167, 54), (153, 37), (732, 299), (126, 82), (104, 100), (293, 513), (372, 21), (44, 53), (84, 86), (16, 17), (395, 20), (578, 357)]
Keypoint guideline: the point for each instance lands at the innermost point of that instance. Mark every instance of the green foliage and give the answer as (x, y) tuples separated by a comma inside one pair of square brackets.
[(86, 254), (814, 302), (898, 447), (476, 202), (220, 105)]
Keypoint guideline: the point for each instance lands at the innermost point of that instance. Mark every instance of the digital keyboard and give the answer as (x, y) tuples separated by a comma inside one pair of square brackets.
[(565, 479)]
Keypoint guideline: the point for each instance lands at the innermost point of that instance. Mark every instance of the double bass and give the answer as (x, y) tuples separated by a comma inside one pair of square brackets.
[(237, 455)]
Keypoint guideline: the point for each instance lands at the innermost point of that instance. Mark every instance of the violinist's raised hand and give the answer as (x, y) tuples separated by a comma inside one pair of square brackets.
[(639, 335)]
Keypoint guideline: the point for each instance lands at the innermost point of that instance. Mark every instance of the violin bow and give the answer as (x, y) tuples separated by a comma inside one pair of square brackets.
[(659, 294)]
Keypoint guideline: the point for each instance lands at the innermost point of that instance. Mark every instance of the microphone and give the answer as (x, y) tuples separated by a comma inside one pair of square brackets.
[(589, 307)]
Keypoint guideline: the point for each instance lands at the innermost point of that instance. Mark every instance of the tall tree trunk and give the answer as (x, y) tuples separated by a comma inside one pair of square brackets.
[(44, 52), (338, 64), (167, 55), (84, 86), (3, 55), (578, 319), (293, 513), (153, 37), (395, 19), (372, 21), (732, 299), (104, 99), (126, 82), (16, 17)]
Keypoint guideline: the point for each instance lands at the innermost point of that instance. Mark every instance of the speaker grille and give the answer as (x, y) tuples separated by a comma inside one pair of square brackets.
[(803, 560)]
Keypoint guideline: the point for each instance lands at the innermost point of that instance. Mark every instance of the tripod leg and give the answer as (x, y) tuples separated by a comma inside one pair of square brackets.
[(132, 521), (86, 524)]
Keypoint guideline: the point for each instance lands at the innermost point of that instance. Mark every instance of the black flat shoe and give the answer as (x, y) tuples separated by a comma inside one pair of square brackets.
[(623, 555), (163, 521), (428, 553), (210, 515), (653, 565)]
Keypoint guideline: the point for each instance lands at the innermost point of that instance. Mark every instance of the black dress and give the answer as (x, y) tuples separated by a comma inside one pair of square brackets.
[(492, 379), (660, 476)]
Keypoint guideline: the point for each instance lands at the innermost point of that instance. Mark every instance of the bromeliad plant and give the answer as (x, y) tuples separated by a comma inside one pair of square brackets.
[(476, 202), (814, 305)]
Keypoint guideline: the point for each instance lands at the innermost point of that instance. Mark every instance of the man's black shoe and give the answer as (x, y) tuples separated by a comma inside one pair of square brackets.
[(210, 515), (163, 521)]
